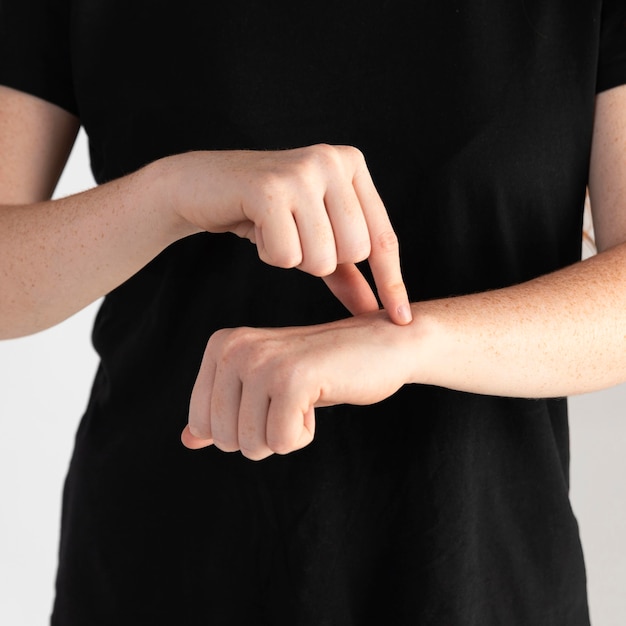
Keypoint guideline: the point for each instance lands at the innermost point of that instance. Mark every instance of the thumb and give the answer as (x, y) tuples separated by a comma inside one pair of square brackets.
[(192, 442)]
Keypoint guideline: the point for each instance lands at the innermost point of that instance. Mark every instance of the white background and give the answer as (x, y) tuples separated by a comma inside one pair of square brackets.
[(44, 383)]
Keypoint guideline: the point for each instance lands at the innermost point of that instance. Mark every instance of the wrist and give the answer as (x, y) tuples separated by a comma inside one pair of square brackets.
[(406, 347), (160, 181), (425, 342)]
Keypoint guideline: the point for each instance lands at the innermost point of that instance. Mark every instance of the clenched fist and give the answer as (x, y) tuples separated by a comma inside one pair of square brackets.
[(258, 388), (313, 208)]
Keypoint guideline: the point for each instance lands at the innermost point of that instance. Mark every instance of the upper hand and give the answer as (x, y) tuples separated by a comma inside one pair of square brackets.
[(314, 208)]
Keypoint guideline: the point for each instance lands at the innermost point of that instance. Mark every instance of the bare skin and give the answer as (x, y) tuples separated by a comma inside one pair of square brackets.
[(257, 389), (561, 334), (314, 208)]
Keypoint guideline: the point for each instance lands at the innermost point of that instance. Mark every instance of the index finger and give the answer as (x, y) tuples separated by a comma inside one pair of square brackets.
[(384, 257)]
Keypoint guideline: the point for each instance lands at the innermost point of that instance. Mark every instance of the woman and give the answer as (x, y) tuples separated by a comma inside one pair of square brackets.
[(430, 486)]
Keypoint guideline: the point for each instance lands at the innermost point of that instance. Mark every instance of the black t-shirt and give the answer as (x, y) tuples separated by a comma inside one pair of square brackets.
[(431, 508)]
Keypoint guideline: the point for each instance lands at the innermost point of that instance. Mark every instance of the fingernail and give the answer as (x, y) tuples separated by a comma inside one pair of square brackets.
[(404, 313)]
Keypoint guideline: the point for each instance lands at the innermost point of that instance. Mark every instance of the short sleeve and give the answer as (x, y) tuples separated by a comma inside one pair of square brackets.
[(35, 49), (612, 60)]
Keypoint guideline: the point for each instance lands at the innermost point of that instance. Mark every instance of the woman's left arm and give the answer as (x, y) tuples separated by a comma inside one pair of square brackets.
[(560, 334), (563, 333)]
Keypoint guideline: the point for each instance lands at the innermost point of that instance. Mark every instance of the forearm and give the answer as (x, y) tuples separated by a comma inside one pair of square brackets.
[(315, 208), (58, 256), (561, 334)]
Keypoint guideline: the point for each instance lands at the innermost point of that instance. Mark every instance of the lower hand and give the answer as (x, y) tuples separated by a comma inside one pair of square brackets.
[(258, 388)]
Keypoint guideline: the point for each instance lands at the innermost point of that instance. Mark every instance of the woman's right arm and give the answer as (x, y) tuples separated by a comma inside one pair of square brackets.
[(59, 256), (314, 208)]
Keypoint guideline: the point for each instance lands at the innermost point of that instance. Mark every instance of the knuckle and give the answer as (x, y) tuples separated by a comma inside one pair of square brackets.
[(353, 160), (225, 342), (284, 259), (225, 445), (321, 156), (360, 251), (324, 151), (355, 154), (281, 443), (255, 454), (319, 268), (216, 339), (250, 439), (236, 341), (363, 251), (306, 439), (394, 288), (387, 241)]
